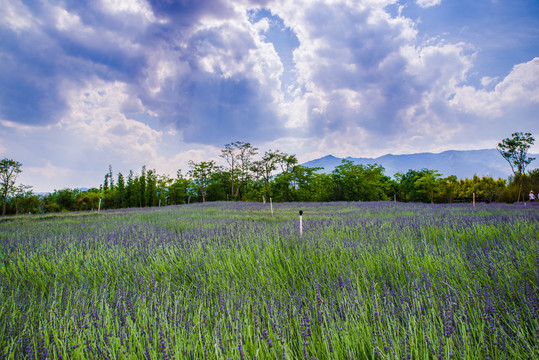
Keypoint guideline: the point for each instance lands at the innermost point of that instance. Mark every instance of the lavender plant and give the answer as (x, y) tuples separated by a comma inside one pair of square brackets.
[(230, 281)]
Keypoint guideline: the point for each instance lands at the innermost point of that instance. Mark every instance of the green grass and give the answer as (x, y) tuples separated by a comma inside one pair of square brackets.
[(228, 280)]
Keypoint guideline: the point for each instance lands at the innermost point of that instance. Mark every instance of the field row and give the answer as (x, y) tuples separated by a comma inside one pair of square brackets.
[(230, 281)]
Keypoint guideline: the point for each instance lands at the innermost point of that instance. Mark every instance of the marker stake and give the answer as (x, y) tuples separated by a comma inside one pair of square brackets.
[(301, 223)]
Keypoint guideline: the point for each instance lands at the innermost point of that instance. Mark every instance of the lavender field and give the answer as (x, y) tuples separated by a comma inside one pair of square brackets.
[(230, 281)]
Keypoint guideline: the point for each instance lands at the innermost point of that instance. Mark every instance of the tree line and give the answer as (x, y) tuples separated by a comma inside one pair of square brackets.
[(250, 176)]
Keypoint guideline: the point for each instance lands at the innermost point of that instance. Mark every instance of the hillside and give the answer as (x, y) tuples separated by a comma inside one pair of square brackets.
[(462, 163)]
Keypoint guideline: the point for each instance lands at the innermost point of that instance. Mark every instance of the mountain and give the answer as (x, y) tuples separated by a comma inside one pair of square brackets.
[(462, 163)]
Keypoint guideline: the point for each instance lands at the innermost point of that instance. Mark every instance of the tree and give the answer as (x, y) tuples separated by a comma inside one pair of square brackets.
[(409, 189), (120, 192), (228, 153), (142, 187), (515, 151), (178, 189), (21, 193), (427, 183), (265, 167), (9, 170), (201, 174), (448, 188), (150, 191), (238, 155), (355, 182)]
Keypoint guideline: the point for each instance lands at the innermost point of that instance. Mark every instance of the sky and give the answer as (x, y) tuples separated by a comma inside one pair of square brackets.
[(127, 83)]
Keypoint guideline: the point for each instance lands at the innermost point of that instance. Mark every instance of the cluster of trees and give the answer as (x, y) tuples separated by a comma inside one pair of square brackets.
[(274, 175)]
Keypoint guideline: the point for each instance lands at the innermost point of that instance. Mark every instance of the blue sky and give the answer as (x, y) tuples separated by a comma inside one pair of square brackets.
[(85, 84)]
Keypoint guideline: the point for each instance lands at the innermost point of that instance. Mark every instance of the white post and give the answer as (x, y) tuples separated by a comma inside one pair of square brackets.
[(271, 207), (99, 206), (474, 199), (189, 200), (301, 223), (159, 202)]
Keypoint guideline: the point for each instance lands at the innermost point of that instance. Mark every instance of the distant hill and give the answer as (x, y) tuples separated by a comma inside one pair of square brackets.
[(462, 163)]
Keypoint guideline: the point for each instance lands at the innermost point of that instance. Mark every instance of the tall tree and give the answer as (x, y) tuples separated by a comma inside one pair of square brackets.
[(427, 183), (245, 154), (265, 167), (239, 156), (21, 193), (355, 182), (120, 192), (178, 189), (130, 191), (111, 180), (9, 171), (142, 187), (229, 154), (150, 192), (515, 151), (201, 174)]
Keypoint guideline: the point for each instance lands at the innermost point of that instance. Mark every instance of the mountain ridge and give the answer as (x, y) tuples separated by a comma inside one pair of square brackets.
[(462, 163)]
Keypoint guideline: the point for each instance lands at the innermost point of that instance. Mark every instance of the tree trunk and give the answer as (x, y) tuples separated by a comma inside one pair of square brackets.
[(237, 192), (4, 205)]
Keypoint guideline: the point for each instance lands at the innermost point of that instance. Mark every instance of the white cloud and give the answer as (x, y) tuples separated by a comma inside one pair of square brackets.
[(95, 117), (518, 89), (487, 80), (15, 16), (367, 76), (150, 83), (48, 171), (136, 7), (428, 3)]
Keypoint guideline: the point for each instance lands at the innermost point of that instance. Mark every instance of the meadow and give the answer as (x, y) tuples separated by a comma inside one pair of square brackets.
[(228, 280)]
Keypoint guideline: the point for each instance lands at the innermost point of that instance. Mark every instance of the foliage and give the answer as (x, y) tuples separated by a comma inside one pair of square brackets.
[(9, 171), (277, 176), (515, 151), (355, 182), (202, 174)]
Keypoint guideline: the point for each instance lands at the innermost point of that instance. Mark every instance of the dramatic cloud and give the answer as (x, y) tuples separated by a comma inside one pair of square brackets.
[(519, 88), (139, 82)]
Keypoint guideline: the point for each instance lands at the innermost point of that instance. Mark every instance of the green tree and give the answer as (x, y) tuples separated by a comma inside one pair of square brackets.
[(64, 198), (322, 186), (131, 190), (9, 171), (355, 182), (264, 168), (515, 151), (163, 188), (282, 187), (20, 198), (150, 191), (448, 188), (427, 184), (120, 193), (142, 187), (411, 190), (178, 189), (239, 156), (201, 175)]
